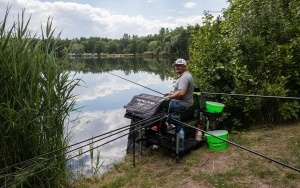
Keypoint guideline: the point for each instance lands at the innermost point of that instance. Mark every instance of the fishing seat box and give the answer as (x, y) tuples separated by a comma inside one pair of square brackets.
[(144, 106), (167, 139)]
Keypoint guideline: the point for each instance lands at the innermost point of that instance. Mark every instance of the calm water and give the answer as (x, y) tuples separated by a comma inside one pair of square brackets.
[(101, 100)]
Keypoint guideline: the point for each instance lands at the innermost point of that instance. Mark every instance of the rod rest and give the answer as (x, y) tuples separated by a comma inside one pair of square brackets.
[(183, 114)]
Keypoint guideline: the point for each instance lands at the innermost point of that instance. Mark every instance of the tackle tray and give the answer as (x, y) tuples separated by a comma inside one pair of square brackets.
[(167, 139)]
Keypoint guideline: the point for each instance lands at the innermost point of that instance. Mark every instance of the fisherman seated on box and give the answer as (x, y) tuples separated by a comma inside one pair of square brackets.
[(182, 96)]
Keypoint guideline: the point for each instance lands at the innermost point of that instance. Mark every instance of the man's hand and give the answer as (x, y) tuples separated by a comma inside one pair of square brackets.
[(177, 95), (168, 94)]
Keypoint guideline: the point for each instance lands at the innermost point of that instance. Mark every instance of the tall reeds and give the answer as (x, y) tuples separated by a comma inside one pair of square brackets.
[(35, 101)]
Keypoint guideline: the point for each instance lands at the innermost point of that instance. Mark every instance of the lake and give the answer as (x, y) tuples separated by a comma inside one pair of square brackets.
[(101, 99)]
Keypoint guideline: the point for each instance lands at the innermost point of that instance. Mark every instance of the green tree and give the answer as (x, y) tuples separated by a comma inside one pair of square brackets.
[(88, 44), (142, 46), (100, 47), (210, 62), (133, 46), (252, 49), (152, 46), (124, 42), (267, 36), (77, 48), (113, 47)]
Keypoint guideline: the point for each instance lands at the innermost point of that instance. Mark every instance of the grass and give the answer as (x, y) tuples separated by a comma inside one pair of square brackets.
[(230, 168)]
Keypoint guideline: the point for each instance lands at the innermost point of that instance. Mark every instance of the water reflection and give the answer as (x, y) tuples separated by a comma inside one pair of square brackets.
[(101, 100)]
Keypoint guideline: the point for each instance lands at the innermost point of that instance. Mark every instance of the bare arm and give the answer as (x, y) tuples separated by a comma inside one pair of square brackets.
[(177, 95)]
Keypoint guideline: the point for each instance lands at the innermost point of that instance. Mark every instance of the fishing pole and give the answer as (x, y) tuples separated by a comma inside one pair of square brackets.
[(131, 81), (23, 178), (136, 83), (244, 95), (70, 151)]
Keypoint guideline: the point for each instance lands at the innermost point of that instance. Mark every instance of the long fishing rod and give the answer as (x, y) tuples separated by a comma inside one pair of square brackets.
[(49, 166), (246, 95), (131, 81), (41, 156), (242, 147), (70, 151), (136, 83)]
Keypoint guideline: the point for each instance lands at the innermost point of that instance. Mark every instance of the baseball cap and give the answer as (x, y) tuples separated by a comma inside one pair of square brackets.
[(180, 62)]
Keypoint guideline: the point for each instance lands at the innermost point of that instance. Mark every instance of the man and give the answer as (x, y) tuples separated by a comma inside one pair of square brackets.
[(182, 96)]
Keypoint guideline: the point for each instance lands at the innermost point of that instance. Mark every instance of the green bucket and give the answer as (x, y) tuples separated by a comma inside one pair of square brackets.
[(215, 143), (214, 107)]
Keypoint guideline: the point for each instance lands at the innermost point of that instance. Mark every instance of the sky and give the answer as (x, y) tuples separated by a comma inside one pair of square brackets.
[(110, 18)]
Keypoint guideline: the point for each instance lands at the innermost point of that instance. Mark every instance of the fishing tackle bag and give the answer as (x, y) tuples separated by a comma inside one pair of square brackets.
[(143, 106)]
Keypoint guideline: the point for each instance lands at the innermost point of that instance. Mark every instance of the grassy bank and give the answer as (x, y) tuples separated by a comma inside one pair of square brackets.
[(203, 167)]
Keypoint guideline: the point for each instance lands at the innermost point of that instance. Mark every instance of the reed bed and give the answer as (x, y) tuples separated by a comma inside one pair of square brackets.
[(35, 101)]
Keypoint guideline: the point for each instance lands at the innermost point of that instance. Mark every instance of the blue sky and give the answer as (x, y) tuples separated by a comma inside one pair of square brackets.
[(111, 18)]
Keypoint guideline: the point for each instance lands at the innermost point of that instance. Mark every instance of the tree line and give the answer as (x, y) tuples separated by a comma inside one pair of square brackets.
[(166, 43)]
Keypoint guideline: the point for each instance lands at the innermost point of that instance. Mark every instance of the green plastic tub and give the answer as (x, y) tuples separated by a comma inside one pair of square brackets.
[(214, 107), (215, 143)]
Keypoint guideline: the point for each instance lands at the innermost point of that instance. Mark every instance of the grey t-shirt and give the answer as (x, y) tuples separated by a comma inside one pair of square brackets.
[(185, 81)]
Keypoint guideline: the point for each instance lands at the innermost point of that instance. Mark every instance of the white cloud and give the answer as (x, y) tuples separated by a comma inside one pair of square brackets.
[(151, 1), (191, 20), (189, 5), (76, 20), (170, 18), (100, 19)]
